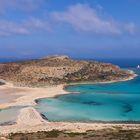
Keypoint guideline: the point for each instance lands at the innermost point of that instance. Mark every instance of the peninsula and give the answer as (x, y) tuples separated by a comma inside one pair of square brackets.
[(46, 77), (56, 70)]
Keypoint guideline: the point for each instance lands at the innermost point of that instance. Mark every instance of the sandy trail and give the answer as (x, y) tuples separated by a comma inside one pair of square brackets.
[(29, 117)]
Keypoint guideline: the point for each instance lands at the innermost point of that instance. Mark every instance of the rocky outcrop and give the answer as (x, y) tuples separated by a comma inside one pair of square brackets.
[(54, 70)]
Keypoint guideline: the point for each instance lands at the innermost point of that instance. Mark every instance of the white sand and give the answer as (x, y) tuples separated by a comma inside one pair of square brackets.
[(28, 95), (29, 120), (29, 117)]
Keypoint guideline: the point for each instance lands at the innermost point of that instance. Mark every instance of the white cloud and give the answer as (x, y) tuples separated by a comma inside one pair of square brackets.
[(7, 28), (26, 27), (84, 18), (34, 23), (80, 16)]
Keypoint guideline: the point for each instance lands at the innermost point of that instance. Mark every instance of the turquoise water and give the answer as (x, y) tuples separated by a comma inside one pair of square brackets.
[(9, 115), (100, 102)]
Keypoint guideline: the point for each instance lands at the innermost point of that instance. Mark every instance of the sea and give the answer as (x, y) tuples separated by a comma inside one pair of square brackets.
[(113, 102)]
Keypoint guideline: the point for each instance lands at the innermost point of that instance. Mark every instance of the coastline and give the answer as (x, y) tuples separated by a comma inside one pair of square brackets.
[(32, 118), (28, 95), (105, 82)]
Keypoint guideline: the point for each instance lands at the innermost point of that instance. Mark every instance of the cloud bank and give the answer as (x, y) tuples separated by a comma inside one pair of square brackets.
[(22, 28), (84, 18), (81, 17)]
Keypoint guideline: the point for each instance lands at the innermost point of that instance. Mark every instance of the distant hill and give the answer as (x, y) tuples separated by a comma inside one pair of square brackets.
[(54, 70)]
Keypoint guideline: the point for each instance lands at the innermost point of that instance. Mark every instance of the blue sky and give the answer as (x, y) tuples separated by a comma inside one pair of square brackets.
[(78, 28)]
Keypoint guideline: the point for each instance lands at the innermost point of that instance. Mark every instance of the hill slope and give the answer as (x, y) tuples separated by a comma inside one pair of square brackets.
[(54, 70)]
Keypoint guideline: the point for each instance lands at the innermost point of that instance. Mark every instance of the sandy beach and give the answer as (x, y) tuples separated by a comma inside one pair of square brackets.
[(29, 120)]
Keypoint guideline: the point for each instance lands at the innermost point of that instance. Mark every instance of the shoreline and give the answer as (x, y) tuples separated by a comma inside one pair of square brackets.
[(108, 82), (30, 99), (32, 118)]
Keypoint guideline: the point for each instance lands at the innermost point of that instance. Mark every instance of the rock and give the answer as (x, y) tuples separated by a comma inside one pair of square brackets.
[(2, 82), (56, 57)]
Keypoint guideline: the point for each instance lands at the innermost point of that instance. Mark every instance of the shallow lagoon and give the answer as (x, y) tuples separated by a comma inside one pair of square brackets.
[(9, 115), (100, 102)]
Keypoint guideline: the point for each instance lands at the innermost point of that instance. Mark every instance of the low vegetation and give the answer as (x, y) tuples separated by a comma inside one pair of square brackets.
[(116, 133), (56, 70)]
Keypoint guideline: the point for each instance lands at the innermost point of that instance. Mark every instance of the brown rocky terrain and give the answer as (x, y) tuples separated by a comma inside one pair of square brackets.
[(54, 70)]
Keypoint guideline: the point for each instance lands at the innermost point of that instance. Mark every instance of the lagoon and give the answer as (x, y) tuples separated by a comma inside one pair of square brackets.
[(114, 102)]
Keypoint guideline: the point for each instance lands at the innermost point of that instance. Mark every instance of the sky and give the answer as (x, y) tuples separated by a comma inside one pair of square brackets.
[(77, 28)]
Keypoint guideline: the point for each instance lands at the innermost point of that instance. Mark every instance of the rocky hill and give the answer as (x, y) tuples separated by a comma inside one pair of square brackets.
[(54, 70)]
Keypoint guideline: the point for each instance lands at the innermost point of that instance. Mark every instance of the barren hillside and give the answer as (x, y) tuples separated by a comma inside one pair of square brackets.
[(54, 70)]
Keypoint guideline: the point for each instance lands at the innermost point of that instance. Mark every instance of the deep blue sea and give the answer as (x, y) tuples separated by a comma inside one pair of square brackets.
[(97, 102)]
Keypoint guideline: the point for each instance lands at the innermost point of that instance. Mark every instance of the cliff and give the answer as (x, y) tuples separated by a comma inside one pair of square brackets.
[(54, 70)]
